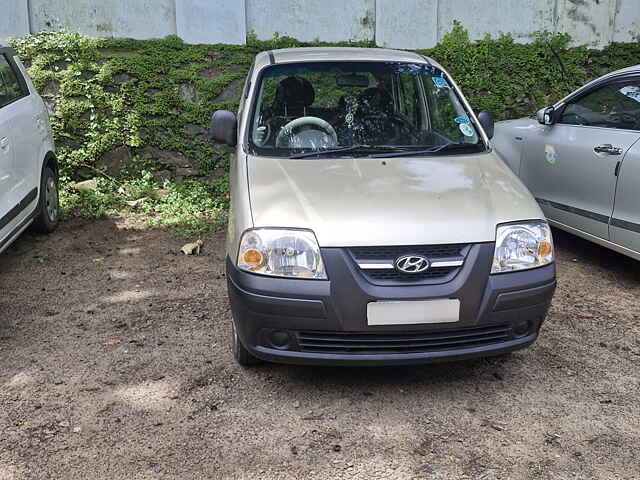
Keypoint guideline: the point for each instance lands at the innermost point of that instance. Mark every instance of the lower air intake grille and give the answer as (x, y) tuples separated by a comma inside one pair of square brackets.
[(414, 342), (389, 274)]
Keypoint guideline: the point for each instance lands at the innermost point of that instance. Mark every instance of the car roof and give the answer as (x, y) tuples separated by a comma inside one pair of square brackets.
[(328, 54), (622, 71)]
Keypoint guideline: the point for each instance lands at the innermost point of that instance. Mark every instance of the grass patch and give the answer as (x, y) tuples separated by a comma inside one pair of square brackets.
[(188, 208)]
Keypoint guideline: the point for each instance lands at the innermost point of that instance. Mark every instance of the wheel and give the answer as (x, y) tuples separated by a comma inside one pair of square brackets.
[(46, 219), (241, 354)]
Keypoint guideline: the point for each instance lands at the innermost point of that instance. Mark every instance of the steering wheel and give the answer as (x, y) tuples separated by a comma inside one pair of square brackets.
[(284, 136)]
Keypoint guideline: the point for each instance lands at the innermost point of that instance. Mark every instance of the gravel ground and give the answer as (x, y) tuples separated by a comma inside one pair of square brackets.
[(115, 364)]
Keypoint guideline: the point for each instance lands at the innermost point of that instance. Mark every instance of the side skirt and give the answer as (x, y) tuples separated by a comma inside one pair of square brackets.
[(13, 213), (592, 238)]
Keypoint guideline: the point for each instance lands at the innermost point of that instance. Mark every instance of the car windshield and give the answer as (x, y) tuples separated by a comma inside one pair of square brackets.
[(355, 108)]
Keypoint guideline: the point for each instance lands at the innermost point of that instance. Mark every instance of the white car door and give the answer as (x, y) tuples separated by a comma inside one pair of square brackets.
[(571, 167), (17, 193), (6, 170), (29, 135), (6, 164)]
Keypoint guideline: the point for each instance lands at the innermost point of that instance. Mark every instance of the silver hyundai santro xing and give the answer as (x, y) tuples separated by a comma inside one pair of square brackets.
[(371, 222)]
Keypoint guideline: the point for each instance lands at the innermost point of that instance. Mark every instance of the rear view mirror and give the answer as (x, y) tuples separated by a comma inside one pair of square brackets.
[(545, 116), (352, 80), (224, 127), (486, 120)]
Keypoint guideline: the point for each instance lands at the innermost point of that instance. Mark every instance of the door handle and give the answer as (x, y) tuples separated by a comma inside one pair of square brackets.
[(608, 149), (4, 143)]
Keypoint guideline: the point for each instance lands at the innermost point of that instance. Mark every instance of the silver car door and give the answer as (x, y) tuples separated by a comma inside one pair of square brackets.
[(625, 224), (571, 166)]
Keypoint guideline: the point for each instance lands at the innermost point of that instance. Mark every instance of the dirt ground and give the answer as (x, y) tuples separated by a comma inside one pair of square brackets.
[(115, 364)]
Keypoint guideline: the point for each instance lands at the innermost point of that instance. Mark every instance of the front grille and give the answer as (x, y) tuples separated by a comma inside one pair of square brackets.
[(393, 252), (389, 254), (414, 342)]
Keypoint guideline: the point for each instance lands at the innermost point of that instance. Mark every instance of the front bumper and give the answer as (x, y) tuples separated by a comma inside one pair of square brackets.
[(319, 322)]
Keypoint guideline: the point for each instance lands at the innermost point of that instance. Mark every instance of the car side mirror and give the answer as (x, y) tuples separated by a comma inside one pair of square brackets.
[(224, 127), (486, 120), (545, 116)]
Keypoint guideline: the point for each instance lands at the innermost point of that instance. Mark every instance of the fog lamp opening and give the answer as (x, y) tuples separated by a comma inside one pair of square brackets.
[(521, 328), (280, 338)]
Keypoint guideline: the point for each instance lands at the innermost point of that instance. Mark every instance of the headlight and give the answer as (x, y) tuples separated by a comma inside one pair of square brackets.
[(281, 253), (522, 246)]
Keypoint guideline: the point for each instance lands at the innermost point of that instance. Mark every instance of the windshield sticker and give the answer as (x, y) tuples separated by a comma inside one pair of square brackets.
[(550, 154), (461, 120), (466, 129), (440, 82)]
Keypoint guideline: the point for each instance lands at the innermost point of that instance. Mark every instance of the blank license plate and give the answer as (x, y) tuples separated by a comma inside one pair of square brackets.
[(413, 312)]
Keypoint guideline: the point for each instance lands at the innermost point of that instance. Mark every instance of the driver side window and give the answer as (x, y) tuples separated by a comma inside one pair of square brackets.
[(9, 87), (616, 105)]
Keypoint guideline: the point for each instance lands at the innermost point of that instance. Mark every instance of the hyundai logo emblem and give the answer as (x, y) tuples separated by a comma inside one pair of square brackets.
[(412, 264)]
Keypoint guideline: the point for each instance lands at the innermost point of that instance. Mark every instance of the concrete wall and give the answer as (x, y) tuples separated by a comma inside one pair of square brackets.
[(211, 21), (14, 20), (105, 18), (392, 23), (309, 20)]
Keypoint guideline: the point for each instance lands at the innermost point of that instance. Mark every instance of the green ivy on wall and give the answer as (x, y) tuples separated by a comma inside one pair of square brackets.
[(142, 107)]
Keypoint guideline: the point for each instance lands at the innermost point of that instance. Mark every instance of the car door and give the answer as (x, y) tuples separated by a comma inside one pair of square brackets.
[(19, 188), (7, 177), (571, 166), (625, 223), (27, 130)]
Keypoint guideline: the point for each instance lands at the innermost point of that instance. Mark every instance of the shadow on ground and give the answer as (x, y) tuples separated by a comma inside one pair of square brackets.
[(116, 364)]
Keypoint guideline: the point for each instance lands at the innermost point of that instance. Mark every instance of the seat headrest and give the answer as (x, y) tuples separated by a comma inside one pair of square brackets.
[(294, 92)]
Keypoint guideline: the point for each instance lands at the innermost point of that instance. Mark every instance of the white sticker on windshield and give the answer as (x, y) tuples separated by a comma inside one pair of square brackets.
[(466, 129)]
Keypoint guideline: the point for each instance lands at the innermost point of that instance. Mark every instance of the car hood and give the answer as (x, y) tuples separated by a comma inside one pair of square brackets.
[(393, 201)]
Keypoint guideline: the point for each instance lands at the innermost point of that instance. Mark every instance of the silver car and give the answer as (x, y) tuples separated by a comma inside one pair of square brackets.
[(371, 222), (581, 160)]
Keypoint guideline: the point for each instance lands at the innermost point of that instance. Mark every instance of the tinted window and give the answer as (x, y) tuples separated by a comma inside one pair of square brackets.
[(613, 106)]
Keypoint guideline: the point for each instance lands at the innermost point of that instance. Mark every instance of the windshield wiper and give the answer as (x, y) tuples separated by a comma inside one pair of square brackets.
[(350, 148), (440, 148)]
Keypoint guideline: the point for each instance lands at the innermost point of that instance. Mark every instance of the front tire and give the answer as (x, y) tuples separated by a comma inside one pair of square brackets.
[(48, 214), (240, 353)]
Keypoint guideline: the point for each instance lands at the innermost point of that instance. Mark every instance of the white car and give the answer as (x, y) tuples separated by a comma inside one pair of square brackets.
[(28, 167)]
